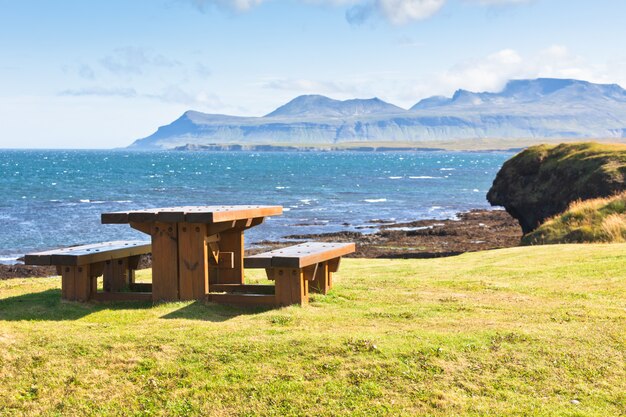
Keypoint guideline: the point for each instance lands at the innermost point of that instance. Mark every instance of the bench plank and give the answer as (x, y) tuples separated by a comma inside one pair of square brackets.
[(299, 256), (87, 254)]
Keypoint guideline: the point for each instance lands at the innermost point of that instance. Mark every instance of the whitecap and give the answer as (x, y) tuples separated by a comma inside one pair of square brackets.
[(375, 200), (422, 177), (395, 178), (9, 260), (447, 169), (85, 201)]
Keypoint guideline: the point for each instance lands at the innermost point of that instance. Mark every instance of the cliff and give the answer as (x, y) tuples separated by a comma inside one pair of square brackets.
[(542, 181)]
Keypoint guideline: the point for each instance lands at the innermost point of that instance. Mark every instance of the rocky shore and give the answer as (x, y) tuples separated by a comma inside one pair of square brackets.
[(472, 231)]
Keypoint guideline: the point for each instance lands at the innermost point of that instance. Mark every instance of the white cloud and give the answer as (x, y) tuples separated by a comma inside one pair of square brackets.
[(491, 72), (399, 12), (498, 2), (100, 91), (396, 12), (232, 5), (135, 60)]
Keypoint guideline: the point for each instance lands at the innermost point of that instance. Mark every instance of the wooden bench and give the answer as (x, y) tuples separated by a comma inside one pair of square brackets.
[(295, 270), (80, 266)]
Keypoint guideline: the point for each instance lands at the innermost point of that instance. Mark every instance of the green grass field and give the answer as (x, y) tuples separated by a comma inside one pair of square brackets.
[(529, 331)]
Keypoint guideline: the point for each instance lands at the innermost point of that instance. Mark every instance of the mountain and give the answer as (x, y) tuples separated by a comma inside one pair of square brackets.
[(539, 108), (320, 106)]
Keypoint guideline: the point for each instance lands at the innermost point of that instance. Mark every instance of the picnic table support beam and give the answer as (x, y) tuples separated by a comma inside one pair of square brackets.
[(291, 287), (78, 283), (164, 262), (193, 265)]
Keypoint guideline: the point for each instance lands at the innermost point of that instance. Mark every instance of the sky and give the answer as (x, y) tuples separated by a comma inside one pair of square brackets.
[(100, 74)]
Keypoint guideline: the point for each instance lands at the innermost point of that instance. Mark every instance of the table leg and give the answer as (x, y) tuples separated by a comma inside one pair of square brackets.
[(291, 287), (192, 261), (164, 261)]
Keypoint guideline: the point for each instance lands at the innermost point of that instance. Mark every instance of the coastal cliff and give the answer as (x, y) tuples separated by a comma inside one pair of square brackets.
[(542, 181)]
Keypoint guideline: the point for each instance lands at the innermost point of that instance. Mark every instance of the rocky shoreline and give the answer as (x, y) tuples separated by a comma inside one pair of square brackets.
[(472, 231)]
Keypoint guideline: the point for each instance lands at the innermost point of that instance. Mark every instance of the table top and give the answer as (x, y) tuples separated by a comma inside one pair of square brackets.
[(191, 214)]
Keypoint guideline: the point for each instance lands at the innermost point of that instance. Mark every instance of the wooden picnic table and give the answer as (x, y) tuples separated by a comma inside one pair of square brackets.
[(194, 246)]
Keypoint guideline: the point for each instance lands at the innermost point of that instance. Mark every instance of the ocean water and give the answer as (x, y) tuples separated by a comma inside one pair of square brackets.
[(53, 198)]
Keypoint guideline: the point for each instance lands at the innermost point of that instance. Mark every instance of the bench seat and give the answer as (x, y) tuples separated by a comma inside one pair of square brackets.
[(296, 269), (80, 266)]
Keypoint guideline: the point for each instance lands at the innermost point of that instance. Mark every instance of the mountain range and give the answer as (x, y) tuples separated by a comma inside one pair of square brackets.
[(538, 108)]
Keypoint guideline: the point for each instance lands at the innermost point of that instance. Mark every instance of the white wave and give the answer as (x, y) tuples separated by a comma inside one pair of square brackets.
[(8, 260), (375, 200), (280, 187), (85, 201), (447, 169), (123, 201), (395, 178), (422, 177)]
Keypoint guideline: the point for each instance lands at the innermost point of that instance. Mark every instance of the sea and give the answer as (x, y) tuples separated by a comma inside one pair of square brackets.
[(54, 198)]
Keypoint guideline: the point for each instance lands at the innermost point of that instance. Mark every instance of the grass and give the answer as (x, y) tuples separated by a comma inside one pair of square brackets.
[(529, 331), (595, 220)]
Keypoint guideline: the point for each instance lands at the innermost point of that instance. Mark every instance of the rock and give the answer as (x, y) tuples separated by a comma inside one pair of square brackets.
[(575, 402), (543, 180)]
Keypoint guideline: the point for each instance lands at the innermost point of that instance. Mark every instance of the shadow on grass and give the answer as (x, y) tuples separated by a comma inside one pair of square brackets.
[(47, 305), (200, 310)]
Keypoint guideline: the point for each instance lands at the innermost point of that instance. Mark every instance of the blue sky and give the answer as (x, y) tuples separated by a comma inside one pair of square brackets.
[(78, 74)]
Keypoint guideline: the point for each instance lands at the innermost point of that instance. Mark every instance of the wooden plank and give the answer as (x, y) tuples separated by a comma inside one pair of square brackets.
[(320, 283), (216, 228), (87, 254), (82, 283), (306, 254), (149, 216), (122, 296), (245, 212), (164, 262), (262, 260), (140, 287), (232, 241), (333, 264), (243, 299), (193, 279), (133, 262), (142, 227), (291, 287), (67, 283), (115, 275), (245, 288), (192, 214), (118, 217)]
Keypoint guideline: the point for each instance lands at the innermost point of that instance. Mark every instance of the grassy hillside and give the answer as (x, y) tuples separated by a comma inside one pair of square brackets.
[(542, 181), (535, 331), (596, 220)]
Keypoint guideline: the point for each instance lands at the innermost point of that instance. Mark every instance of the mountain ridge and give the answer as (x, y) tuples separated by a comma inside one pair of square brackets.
[(543, 107)]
